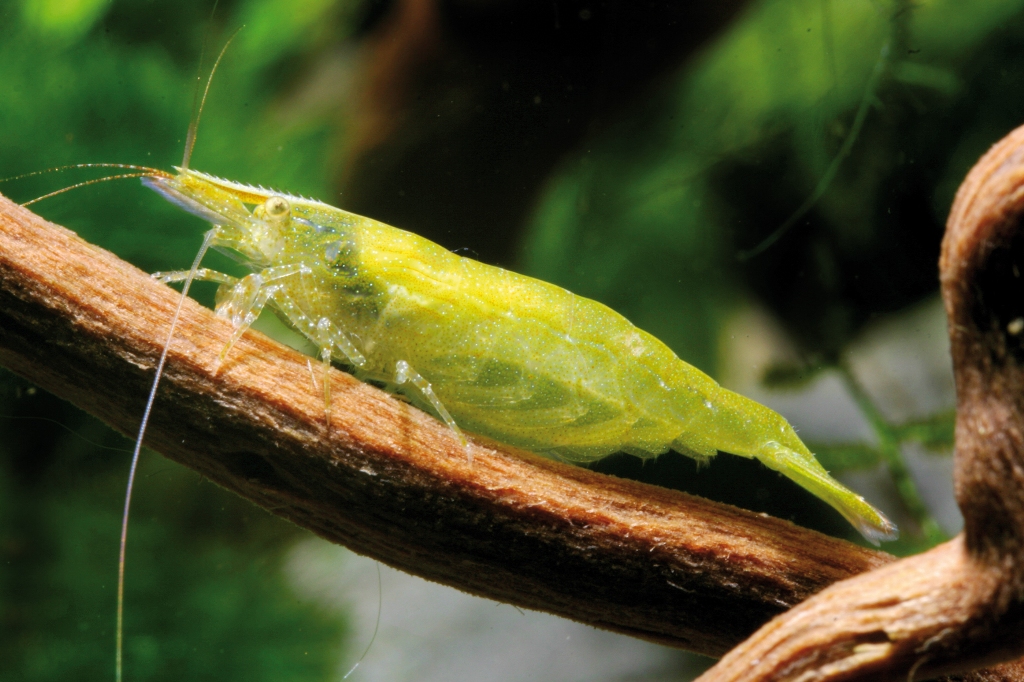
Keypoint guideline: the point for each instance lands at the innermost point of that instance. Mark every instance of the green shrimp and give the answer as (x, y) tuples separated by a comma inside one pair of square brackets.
[(488, 350)]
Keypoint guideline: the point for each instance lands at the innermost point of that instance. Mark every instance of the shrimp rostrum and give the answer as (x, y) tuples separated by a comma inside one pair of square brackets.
[(488, 350)]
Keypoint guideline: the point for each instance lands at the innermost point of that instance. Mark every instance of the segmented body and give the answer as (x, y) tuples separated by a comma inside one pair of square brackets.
[(495, 352)]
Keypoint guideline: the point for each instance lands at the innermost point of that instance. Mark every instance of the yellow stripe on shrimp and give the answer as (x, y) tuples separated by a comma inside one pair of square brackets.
[(489, 350)]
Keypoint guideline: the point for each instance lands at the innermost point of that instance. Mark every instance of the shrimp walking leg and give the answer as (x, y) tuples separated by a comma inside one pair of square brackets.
[(201, 275), (311, 329), (404, 373), (325, 341), (242, 318), (243, 301), (328, 338)]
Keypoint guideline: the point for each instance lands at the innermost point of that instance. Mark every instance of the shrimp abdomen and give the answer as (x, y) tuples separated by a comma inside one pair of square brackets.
[(524, 361)]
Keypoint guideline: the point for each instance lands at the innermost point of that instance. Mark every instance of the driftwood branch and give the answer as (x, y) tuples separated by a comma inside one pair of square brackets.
[(960, 605), (389, 481)]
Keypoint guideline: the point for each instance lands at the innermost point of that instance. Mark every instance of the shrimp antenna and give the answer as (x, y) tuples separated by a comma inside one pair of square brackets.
[(193, 116), (376, 627), (190, 141), (144, 171), (60, 169), (94, 181), (193, 127), (119, 637)]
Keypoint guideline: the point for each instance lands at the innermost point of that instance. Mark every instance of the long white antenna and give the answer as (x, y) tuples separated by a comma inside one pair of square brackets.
[(193, 127), (119, 645), (376, 627), (190, 141)]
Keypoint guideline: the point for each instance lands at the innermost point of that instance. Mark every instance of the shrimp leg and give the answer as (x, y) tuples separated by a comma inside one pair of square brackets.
[(202, 275), (404, 373), (327, 336), (244, 300)]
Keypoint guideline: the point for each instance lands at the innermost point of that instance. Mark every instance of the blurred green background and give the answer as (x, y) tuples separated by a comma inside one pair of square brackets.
[(770, 206)]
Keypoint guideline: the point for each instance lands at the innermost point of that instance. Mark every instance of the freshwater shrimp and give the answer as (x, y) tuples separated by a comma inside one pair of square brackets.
[(487, 350)]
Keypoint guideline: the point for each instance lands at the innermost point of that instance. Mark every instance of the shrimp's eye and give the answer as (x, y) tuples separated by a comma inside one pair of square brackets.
[(276, 208)]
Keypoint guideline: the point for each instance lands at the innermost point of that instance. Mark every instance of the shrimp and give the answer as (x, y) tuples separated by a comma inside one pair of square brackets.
[(487, 350)]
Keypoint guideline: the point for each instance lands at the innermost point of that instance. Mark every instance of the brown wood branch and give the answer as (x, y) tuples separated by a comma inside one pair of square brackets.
[(960, 605), (389, 481)]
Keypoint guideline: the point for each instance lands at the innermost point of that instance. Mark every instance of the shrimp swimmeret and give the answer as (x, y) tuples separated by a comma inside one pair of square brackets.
[(488, 350)]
